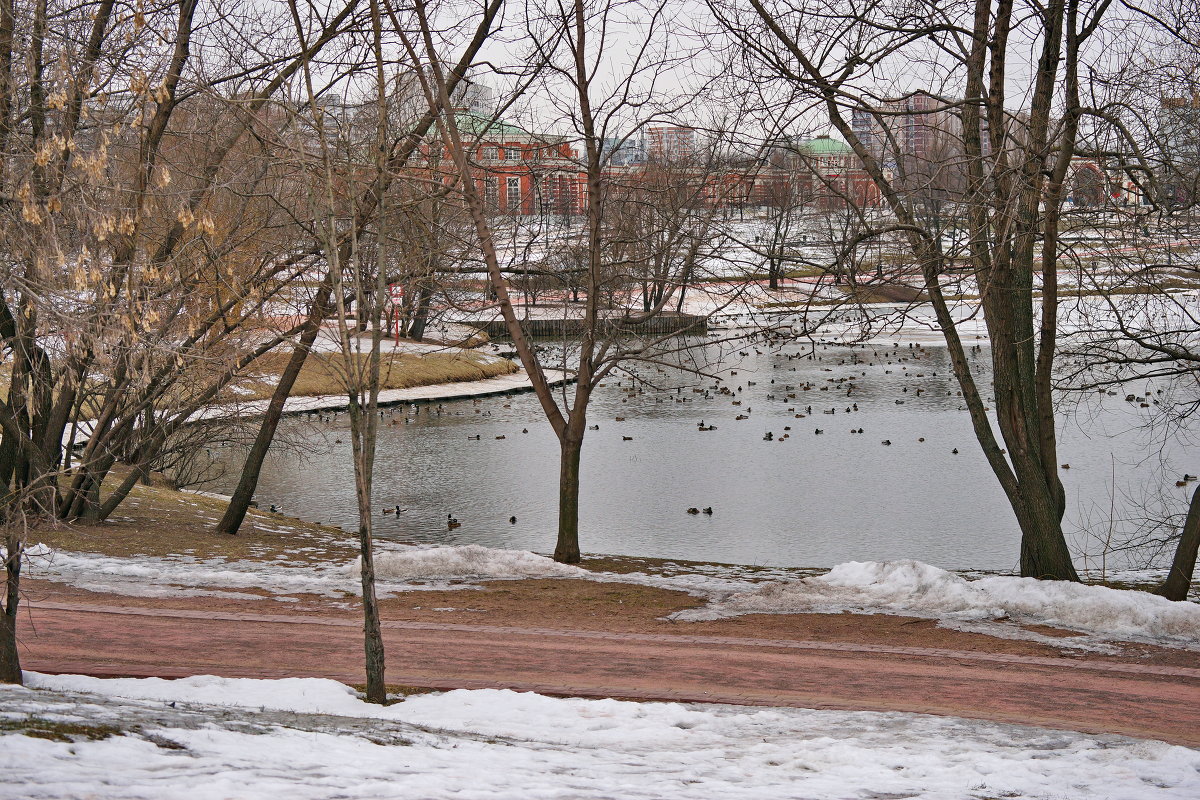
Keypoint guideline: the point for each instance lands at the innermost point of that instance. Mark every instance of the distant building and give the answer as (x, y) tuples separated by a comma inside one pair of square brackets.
[(476, 98), (816, 173), (917, 128), (623, 152), (671, 143), (918, 142), (831, 175), (521, 173)]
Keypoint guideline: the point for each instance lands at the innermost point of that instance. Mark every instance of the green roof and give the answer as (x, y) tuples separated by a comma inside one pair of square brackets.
[(823, 146), (478, 125)]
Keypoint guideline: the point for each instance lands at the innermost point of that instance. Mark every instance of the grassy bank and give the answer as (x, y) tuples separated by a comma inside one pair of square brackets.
[(160, 521), (326, 373)]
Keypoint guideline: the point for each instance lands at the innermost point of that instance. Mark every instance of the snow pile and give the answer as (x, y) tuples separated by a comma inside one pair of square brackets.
[(918, 589), (468, 561), (31, 550), (306, 695), (504, 745)]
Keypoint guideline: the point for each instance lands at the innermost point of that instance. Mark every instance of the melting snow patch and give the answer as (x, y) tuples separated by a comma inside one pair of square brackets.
[(404, 569), (183, 576), (917, 589)]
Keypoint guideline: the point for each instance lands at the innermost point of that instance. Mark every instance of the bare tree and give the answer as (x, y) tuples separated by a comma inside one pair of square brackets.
[(835, 57), (356, 284), (1135, 318), (621, 283), (139, 260), (401, 150)]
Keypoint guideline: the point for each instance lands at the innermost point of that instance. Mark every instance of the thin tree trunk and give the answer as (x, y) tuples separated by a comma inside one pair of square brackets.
[(243, 495), (363, 427), (372, 634), (566, 551), (10, 657), (1179, 579), (366, 426)]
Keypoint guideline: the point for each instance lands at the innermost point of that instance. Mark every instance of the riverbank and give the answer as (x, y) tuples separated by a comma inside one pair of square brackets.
[(411, 372), (509, 382)]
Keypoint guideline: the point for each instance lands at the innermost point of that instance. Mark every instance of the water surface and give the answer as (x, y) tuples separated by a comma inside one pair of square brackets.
[(800, 499)]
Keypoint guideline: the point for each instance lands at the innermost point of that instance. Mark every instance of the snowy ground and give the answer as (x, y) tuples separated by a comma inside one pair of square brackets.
[(209, 738), (992, 604)]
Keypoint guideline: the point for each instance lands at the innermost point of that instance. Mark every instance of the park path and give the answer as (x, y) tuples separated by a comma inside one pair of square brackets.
[(1096, 696)]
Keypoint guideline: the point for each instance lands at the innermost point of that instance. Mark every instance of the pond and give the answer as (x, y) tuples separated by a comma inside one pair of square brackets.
[(795, 498)]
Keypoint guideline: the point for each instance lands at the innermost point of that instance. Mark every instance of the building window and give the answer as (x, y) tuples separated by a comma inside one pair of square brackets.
[(514, 196), (491, 192), (490, 153)]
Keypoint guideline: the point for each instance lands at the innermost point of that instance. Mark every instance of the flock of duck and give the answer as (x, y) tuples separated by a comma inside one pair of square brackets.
[(849, 385)]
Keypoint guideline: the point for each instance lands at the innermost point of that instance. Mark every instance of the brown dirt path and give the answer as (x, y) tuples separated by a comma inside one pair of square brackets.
[(1150, 700)]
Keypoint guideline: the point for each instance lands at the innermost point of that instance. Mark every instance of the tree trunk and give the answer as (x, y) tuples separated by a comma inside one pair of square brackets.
[(372, 635), (1179, 579), (87, 503), (416, 329), (1036, 496), (1044, 552), (363, 430), (567, 549), (10, 657), (243, 495)]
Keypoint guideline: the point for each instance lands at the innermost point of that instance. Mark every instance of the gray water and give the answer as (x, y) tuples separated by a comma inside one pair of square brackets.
[(806, 500)]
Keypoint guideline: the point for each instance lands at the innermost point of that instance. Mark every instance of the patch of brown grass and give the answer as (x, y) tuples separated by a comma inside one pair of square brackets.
[(160, 521), (58, 730), (326, 373)]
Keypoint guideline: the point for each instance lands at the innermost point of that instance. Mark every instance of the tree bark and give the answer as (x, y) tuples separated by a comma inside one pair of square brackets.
[(566, 551), (10, 657), (243, 495), (372, 634), (363, 427), (1044, 552), (1179, 579), (420, 318)]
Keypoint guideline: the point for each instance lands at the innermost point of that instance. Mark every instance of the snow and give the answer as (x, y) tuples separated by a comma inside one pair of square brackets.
[(468, 561), (404, 569), (228, 738), (184, 576), (917, 589)]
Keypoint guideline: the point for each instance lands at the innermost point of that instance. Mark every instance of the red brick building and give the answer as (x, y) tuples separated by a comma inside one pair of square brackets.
[(522, 173)]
